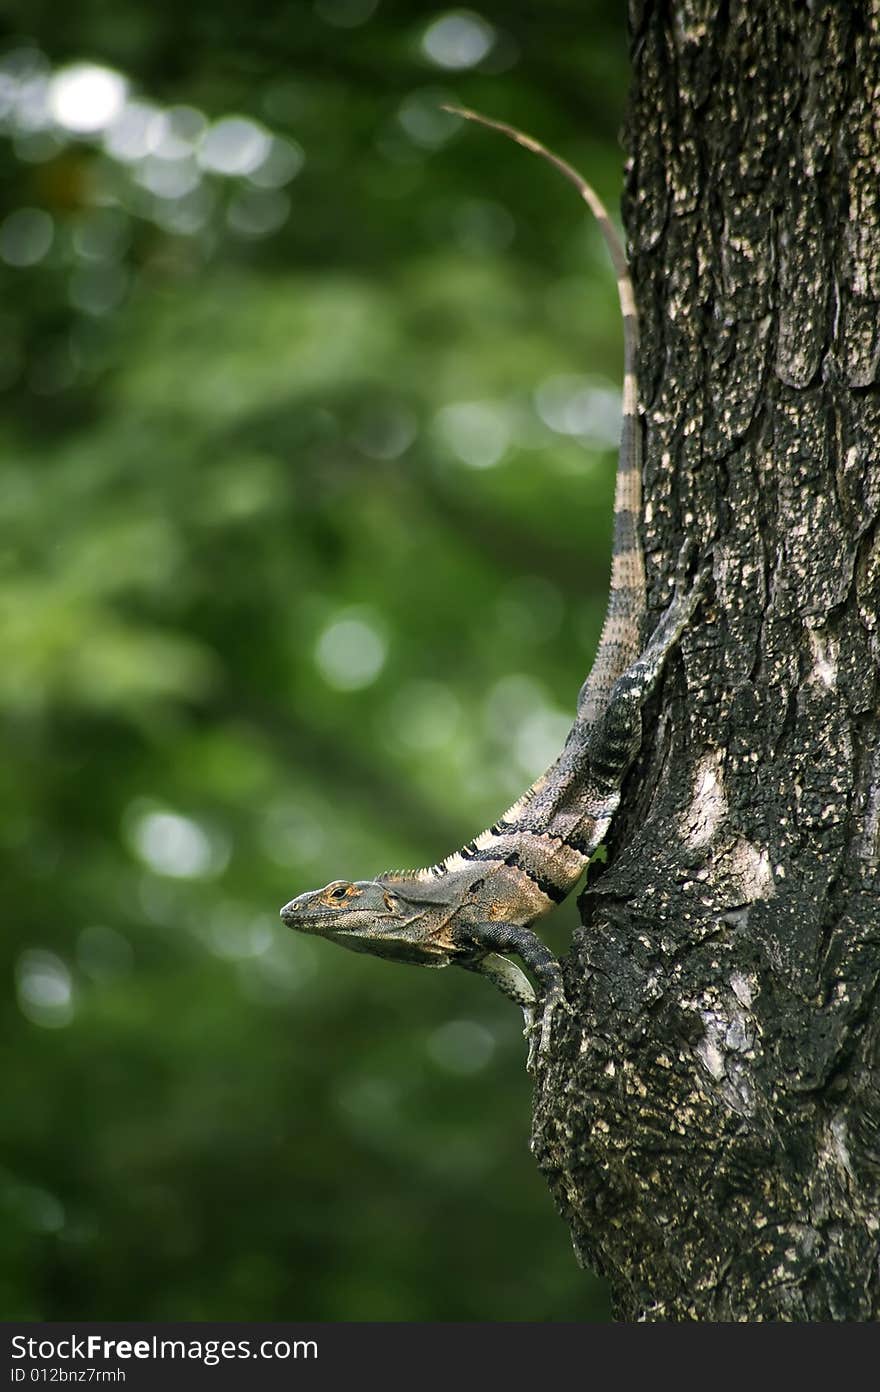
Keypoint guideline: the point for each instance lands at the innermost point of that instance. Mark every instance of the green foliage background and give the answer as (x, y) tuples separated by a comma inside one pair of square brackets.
[(304, 534)]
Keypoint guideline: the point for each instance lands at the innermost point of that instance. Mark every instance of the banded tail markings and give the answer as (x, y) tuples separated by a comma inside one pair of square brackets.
[(620, 641)]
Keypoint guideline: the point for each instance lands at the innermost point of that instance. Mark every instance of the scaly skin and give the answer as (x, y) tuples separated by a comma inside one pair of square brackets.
[(480, 902)]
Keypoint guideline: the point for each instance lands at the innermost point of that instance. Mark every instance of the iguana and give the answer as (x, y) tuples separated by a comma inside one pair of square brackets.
[(479, 904)]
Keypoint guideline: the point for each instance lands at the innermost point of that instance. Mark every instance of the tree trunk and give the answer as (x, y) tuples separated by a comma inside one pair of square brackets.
[(710, 1125)]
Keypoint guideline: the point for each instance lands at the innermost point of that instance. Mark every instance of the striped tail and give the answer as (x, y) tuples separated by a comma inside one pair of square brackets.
[(620, 643)]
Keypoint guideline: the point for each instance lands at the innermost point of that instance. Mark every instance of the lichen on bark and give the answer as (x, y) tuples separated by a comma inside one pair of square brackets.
[(710, 1123)]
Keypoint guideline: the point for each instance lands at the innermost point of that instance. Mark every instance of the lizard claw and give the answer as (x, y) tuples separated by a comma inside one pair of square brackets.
[(683, 565), (539, 1031), (687, 593)]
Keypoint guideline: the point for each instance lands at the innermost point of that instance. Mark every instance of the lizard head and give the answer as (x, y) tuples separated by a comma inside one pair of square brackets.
[(366, 916)]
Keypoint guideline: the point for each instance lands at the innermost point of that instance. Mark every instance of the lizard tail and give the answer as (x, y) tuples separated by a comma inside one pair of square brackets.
[(621, 638)]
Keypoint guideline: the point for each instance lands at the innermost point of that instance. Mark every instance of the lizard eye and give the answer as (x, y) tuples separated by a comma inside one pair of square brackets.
[(340, 892)]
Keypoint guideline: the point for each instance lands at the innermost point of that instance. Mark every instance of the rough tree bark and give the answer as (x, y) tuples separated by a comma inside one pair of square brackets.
[(710, 1125)]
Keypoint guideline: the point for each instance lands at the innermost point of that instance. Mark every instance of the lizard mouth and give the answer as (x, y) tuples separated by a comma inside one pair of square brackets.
[(299, 916), (295, 915)]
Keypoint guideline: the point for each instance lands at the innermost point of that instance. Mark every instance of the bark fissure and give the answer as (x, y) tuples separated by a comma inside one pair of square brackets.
[(710, 1125)]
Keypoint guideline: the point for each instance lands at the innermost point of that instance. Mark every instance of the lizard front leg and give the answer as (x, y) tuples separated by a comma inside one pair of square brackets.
[(488, 938)]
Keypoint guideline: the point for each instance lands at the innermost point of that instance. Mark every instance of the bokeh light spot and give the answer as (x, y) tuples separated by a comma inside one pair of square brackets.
[(256, 213), (421, 116), (176, 846), (86, 97), (477, 432), (45, 989), (177, 132), (234, 935), (135, 133), (540, 739), (234, 145), (511, 700), (38, 1209), (385, 431), (102, 235), (351, 651), (168, 178), (458, 40), (26, 236), (98, 289), (580, 406), (282, 163)]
